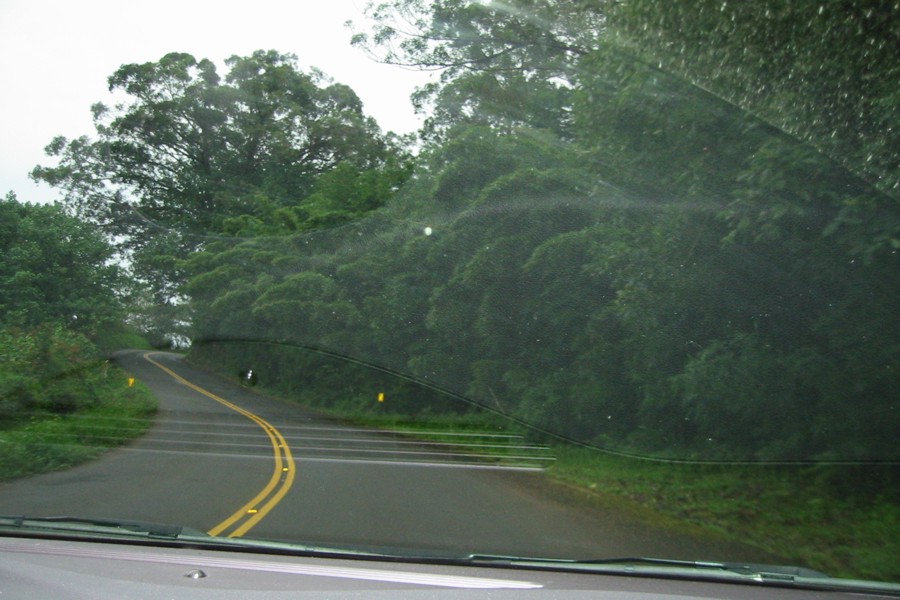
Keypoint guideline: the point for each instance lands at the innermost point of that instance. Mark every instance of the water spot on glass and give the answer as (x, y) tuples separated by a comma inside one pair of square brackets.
[(195, 574)]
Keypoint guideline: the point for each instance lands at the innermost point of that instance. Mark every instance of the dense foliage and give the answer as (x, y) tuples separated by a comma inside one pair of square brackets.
[(55, 268), (192, 156), (59, 298), (589, 241), (41, 372)]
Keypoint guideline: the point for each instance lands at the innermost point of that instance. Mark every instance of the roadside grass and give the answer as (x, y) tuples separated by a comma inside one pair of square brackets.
[(49, 442), (807, 515), (437, 427)]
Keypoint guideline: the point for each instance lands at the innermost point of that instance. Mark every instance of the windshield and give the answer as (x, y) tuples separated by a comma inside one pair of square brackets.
[(541, 279)]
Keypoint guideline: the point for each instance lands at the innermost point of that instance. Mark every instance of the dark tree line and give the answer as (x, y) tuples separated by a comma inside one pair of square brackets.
[(62, 303)]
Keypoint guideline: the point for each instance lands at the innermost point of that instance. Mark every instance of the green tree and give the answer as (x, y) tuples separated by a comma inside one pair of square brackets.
[(188, 153), (463, 36), (60, 296), (504, 63), (55, 269)]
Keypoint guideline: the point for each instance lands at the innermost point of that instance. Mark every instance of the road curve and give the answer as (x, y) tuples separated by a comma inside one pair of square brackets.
[(212, 462)]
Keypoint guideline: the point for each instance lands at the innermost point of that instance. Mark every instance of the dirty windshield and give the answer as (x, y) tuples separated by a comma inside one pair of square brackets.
[(621, 282)]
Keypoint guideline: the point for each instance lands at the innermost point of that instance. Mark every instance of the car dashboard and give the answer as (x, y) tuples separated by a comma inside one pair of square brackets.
[(65, 568)]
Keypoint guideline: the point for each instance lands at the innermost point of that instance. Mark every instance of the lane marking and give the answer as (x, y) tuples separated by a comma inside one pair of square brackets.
[(346, 460), (453, 464), (283, 473), (371, 440), (339, 449)]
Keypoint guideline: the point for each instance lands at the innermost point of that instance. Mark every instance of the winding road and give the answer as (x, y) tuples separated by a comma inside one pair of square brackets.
[(223, 459)]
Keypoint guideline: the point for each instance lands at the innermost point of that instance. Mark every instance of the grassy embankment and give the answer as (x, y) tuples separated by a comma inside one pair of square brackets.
[(48, 442), (819, 517)]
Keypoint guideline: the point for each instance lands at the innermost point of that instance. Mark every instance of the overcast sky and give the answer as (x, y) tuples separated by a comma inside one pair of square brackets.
[(55, 57)]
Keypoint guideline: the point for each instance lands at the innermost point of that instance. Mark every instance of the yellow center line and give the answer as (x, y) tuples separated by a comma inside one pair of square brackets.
[(283, 473)]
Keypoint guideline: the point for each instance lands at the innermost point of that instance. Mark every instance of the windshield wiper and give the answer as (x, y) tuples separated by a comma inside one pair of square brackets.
[(740, 568), (81, 525), (167, 534), (778, 575)]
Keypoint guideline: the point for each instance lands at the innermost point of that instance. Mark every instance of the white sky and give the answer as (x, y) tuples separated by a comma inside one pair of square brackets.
[(55, 57)]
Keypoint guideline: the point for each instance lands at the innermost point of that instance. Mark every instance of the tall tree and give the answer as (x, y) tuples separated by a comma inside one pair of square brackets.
[(503, 63), (188, 157), (55, 269), (464, 36)]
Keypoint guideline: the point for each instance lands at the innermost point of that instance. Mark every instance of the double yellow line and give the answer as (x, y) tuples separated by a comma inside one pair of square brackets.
[(283, 474)]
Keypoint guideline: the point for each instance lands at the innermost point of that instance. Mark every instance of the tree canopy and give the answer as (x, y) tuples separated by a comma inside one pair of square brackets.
[(188, 151), (189, 157), (62, 300), (55, 269)]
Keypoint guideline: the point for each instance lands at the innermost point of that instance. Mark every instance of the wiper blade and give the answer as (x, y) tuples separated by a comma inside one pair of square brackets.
[(287, 548), (167, 533), (500, 559), (777, 575), (746, 569), (107, 529), (105, 526)]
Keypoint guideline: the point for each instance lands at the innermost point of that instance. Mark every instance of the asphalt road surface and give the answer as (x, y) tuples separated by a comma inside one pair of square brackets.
[(223, 459)]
